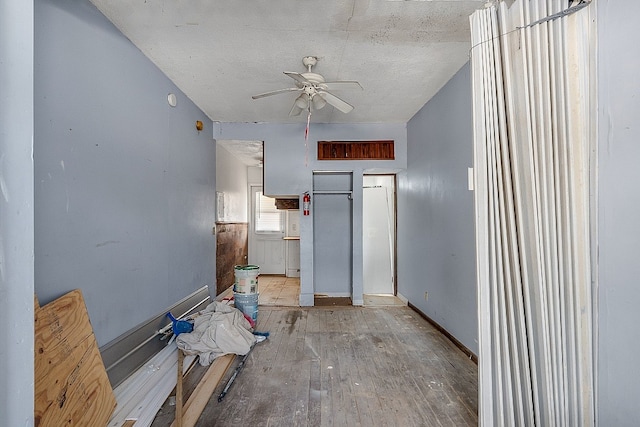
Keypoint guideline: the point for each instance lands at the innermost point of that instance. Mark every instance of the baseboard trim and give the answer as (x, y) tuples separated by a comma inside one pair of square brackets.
[(446, 333), (402, 298)]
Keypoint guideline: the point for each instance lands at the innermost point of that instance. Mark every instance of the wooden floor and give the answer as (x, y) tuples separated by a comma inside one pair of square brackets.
[(346, 366), (280, 291)]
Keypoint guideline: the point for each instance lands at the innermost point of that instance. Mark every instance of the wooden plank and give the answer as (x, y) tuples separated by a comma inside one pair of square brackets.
[(179, 389), (312, 342), (201, 395), (294, 362), (71, 384)]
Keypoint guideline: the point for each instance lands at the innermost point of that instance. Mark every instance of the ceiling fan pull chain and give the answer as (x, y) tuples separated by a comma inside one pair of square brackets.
[(306, 139)]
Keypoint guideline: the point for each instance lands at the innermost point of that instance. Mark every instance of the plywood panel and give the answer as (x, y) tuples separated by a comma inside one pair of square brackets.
[(231, 249), (71, 384)]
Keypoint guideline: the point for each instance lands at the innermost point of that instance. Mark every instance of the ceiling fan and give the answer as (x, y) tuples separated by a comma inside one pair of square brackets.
[(314, 90)]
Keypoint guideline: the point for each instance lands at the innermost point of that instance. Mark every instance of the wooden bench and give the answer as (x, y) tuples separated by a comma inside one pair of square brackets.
[(187, 415)]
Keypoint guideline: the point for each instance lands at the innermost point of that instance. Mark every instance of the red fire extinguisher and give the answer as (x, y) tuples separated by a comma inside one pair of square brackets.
[(306, 202)]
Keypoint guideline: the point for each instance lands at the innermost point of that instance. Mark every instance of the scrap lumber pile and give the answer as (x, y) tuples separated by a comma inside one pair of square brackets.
[(72, 387), (71, 383), (141, 395)]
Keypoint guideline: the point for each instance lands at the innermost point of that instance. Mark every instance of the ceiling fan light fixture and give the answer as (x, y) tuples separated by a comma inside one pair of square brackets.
[(302, 101), (318, 102)]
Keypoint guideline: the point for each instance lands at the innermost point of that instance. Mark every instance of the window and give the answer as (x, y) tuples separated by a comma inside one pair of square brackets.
[(268, 219), (356, 150)]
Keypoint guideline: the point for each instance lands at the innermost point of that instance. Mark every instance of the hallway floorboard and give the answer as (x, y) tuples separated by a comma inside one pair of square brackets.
[(346, 366)]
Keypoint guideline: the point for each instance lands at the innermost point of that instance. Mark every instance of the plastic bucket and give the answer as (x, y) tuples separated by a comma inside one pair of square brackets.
[(246, 279), (247, 303)]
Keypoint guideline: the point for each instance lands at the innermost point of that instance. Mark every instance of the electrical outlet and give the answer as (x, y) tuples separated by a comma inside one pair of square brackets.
[(426, 296)]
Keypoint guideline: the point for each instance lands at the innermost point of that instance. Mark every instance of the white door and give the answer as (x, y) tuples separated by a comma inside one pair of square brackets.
[(378, 227), (266, 232)]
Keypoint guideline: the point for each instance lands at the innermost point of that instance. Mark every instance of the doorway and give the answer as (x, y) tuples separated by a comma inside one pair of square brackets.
[(379, 234), (332, 233), (332, 254), (266, 233)]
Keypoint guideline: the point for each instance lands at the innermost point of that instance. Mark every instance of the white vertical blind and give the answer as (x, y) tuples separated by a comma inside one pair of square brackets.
[(533, 133)]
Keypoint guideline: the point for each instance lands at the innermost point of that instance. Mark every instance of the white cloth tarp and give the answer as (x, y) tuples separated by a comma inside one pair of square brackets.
[(218, 330)]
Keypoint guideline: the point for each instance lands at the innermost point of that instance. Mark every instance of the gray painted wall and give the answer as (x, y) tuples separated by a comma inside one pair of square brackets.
[(16, 213), (618, 379), (288, 170), (124, 183), (288, 163), (436, 249)]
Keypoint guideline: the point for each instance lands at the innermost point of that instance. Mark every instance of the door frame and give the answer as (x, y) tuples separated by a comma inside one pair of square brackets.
[(394, 227)]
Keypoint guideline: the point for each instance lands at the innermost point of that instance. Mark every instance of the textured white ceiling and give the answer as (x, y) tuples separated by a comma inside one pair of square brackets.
[(221, 52), (248, 152)]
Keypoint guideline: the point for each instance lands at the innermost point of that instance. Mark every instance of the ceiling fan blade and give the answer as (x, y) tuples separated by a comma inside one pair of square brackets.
[(343, 84), (336, 102), (297, 77), (275, 92)]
